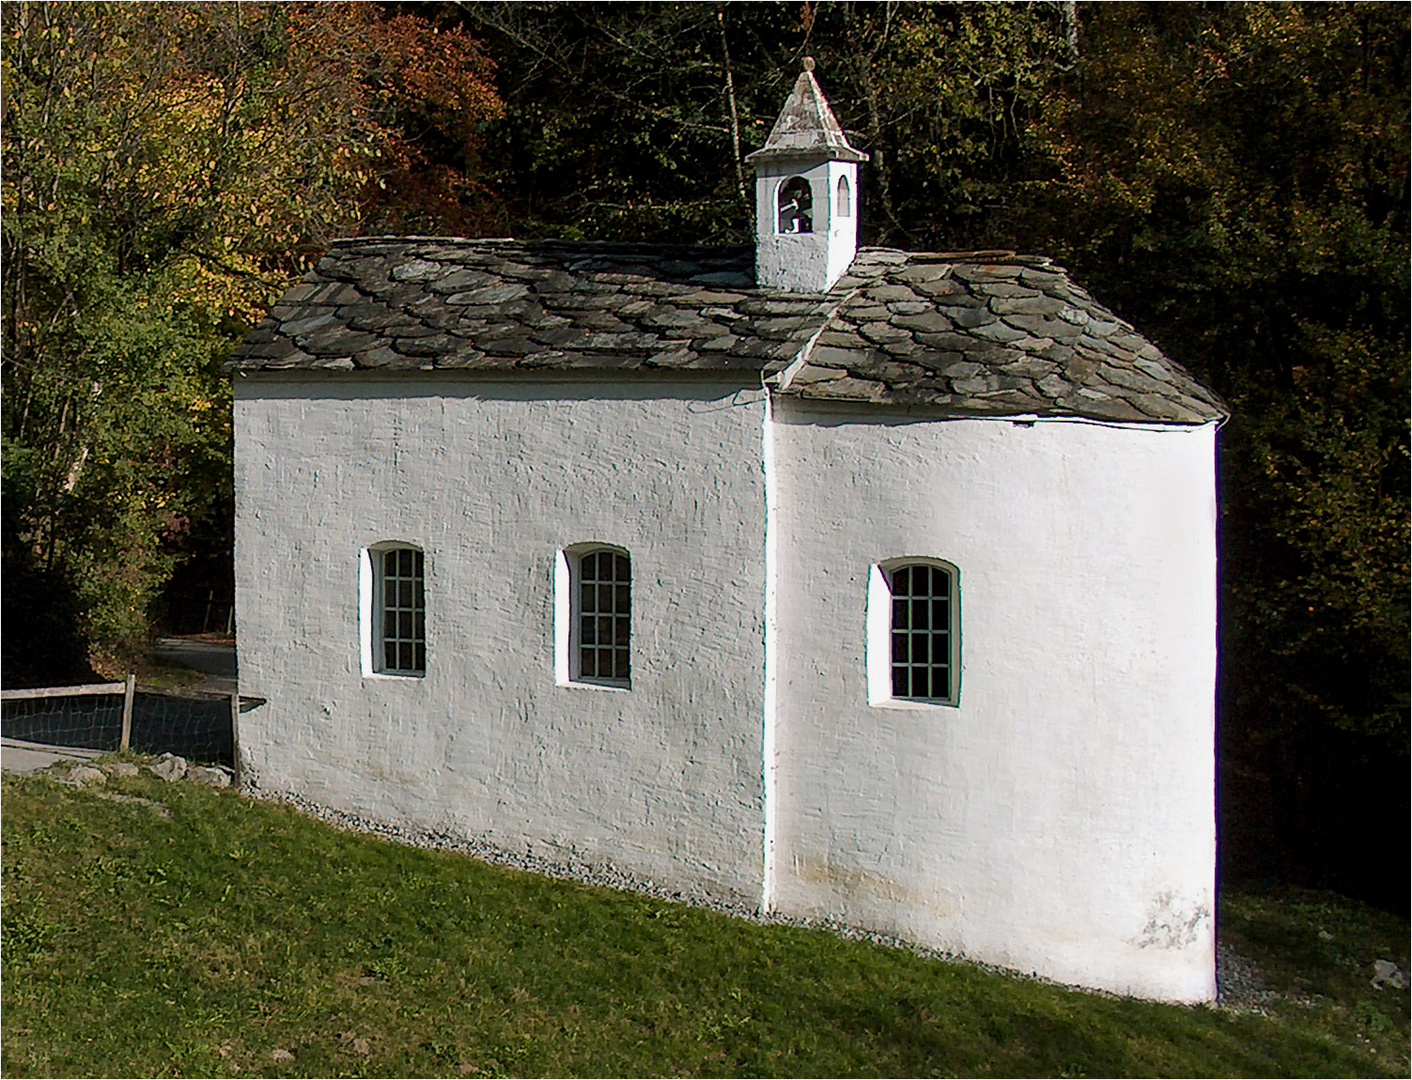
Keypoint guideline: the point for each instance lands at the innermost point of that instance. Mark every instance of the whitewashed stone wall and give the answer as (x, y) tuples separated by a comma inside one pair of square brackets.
[(491, 479), (1061, 818)]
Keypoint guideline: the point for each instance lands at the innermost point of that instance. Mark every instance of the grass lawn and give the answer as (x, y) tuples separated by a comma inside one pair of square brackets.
[(204, 934)]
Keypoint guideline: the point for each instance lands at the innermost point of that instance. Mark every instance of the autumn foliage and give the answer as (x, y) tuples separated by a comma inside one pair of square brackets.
[(167, 169)]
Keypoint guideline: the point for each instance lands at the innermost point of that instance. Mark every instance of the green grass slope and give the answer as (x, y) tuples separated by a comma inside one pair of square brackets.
[(178, 930)]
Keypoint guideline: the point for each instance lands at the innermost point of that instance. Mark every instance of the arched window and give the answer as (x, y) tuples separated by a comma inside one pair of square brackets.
[(593, 607), (914, 632), (796, 206), (395, 610), (843, 200)]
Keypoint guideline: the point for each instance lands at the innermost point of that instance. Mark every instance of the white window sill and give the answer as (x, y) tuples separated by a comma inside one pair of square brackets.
[(579, 684), (913, 704)]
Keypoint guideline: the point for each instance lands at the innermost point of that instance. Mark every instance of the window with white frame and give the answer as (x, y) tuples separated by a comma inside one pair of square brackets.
[(593, 601), (395, 610), (914, 632), (843, 201)]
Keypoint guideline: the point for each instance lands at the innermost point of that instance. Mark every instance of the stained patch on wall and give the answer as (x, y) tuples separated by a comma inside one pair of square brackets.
[(863, 886), (1172, 922)]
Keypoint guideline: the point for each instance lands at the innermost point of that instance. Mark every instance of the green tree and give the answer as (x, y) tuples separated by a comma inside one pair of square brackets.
[(630, 121), (167, 169), (1234, 179)]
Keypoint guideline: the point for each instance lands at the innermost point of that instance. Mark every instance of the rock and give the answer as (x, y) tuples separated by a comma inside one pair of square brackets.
[(351, 1040), (120, 768), (1386, 973), (169, 767), (85, 775), (281, 1055), (1324, 935), (215, 777)]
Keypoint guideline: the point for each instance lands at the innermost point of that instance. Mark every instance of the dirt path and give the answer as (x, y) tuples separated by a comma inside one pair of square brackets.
[(216, 661)]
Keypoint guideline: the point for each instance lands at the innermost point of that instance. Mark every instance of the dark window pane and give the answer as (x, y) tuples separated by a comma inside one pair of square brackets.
[(605, 662), (941, 582), (941, 682), (421, 625), (586, 597), (421, 664), (622, 599), (920, 687), (588, 567), (404, 625), (899, 648), (921, 648), (419, 596), (389, 654), (389, 593), (588, 663), (605, 598), (899, 682), (902, 580), (620, 664), (623, 629), (404, 562), (920, 615), (587, 625), (941, 614), (605, 630), (417, 563), (899, 615), (404, 594), (624, 568)]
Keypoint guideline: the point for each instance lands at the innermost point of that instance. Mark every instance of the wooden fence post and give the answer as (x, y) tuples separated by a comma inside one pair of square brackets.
[(128, 691), (235, 737)]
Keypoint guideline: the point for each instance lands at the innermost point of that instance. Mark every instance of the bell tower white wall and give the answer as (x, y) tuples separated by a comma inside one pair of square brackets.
[(805, 261)]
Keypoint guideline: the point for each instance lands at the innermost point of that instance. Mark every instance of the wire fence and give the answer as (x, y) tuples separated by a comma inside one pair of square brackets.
[(116, 716)]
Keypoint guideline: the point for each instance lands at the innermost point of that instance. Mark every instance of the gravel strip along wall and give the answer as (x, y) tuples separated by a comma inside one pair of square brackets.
[(1239, 984)]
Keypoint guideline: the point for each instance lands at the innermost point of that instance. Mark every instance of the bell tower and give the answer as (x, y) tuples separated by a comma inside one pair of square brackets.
[(806, 194)]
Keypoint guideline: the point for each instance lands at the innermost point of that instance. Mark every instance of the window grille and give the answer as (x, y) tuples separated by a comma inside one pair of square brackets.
[(923, 632), (402, 618), (604, 617)]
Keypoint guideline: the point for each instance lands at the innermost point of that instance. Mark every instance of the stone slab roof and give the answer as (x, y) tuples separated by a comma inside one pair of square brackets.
[(974, 333)]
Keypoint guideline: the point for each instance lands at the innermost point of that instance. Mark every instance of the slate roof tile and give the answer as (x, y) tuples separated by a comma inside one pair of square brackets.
[(989, 333)]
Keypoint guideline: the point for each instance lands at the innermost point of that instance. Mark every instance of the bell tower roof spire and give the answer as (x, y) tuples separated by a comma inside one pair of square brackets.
[(807, 126)]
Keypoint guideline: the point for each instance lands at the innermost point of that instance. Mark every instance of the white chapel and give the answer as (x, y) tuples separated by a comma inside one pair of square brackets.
[(848, 583)]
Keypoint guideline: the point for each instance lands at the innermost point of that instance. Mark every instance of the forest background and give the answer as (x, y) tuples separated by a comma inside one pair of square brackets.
[(1231, 178)]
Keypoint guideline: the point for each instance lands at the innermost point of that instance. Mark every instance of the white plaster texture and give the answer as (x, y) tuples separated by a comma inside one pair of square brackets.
[(1060, 818), (805, 262), (492, 479)]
